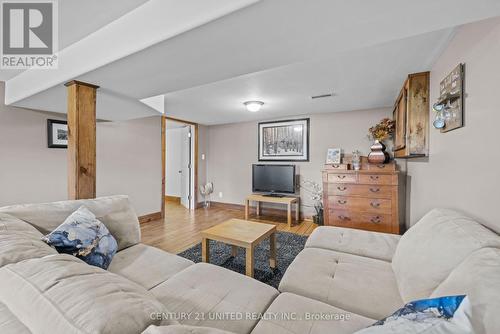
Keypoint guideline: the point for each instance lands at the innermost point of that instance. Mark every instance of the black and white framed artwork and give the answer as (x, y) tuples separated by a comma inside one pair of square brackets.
[(286, 140), (57, 134)]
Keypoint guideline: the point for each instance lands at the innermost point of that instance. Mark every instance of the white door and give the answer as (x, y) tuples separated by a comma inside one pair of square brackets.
[(186, 166)]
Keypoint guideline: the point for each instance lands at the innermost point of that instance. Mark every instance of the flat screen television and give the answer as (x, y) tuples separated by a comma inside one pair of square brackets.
[(273, 179)]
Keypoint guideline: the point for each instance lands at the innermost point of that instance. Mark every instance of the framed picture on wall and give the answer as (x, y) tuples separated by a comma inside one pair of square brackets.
[(286, 140), (57, 134)]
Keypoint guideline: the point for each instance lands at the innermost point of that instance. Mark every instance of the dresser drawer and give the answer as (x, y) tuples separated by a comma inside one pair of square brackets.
[(359, 204), (337, 167), (364, 221), (342, 178), (381, 167), (341, 218), (375, 179), (362, 190)]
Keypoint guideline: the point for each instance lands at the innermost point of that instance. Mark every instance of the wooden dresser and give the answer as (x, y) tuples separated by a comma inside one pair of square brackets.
[(369, 199)]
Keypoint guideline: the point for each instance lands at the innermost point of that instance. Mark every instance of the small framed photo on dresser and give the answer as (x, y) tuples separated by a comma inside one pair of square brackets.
[(334, 156)]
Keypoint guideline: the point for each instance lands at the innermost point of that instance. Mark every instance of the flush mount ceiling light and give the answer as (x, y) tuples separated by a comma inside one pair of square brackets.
[(253, 106)]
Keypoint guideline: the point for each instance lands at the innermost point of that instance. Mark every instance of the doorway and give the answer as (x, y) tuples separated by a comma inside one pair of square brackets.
[(179, 147)]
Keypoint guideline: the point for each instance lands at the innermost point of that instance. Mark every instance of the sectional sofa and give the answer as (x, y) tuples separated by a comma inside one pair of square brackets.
[(344, 280)]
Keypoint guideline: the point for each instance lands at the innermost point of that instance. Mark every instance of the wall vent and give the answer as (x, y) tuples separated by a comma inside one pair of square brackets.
[(321, 96)]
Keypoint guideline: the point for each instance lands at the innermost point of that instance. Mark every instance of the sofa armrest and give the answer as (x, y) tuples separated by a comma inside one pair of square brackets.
[(374, 245), (181, 329)]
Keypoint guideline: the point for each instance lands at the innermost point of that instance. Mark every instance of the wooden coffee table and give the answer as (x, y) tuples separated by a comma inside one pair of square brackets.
[(241, 233)]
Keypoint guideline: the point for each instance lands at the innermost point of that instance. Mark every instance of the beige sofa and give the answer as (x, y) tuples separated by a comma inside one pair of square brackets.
[(341, 282)]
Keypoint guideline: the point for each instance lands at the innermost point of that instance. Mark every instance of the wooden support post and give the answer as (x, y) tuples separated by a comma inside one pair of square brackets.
[(81, 140)]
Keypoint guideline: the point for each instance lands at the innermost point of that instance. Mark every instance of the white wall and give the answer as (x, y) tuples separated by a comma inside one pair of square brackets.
[(129, 162), (29, 171), (232, 149), (128, 159), (173, 162), (463, 171)]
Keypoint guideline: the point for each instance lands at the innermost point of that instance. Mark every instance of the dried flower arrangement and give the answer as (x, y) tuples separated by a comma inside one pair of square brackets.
[(383, 130)]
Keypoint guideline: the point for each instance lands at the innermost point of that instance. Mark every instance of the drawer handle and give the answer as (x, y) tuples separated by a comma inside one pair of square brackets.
[(342, 188), (374, 190), (375, 204), (336, 166), (381, 166), (344, 218), (374, 177), (341, 177), (341, 201), (375, 220)]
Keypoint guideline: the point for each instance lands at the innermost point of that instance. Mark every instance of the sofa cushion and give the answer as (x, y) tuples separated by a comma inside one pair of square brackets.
[(114, 211), (84, 236), (310, 312), (208, 292), (61, 294), (9, 323), (182, 329), (478, 277), (356, 284), (357, 242), (147, 266), (431, 249), (20, 241)]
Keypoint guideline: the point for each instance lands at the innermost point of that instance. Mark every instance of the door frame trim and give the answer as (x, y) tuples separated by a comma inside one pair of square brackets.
[(164, 159)]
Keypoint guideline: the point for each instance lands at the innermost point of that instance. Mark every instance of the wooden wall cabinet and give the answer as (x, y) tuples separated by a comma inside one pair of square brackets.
[(411, 113)]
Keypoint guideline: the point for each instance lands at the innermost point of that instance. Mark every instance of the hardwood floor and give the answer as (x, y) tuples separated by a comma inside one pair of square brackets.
[(181, 227)]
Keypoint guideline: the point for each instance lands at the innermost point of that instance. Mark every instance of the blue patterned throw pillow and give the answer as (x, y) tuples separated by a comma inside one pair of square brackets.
[(443, 315), (85, 237)]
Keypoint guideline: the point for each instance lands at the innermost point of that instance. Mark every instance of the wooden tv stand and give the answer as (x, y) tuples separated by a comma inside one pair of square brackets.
[(257, 198)]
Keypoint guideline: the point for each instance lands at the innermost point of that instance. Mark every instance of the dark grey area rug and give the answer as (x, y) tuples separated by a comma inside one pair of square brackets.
[(288, 246)]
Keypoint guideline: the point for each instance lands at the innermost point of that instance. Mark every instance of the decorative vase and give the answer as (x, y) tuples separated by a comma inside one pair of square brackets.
[(318, 218), (378, 155), (356, 160)]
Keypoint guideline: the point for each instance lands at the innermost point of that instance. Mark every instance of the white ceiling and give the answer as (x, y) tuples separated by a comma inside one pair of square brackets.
[(278, 51), (78, 19), (147, 25), (359, 79)]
